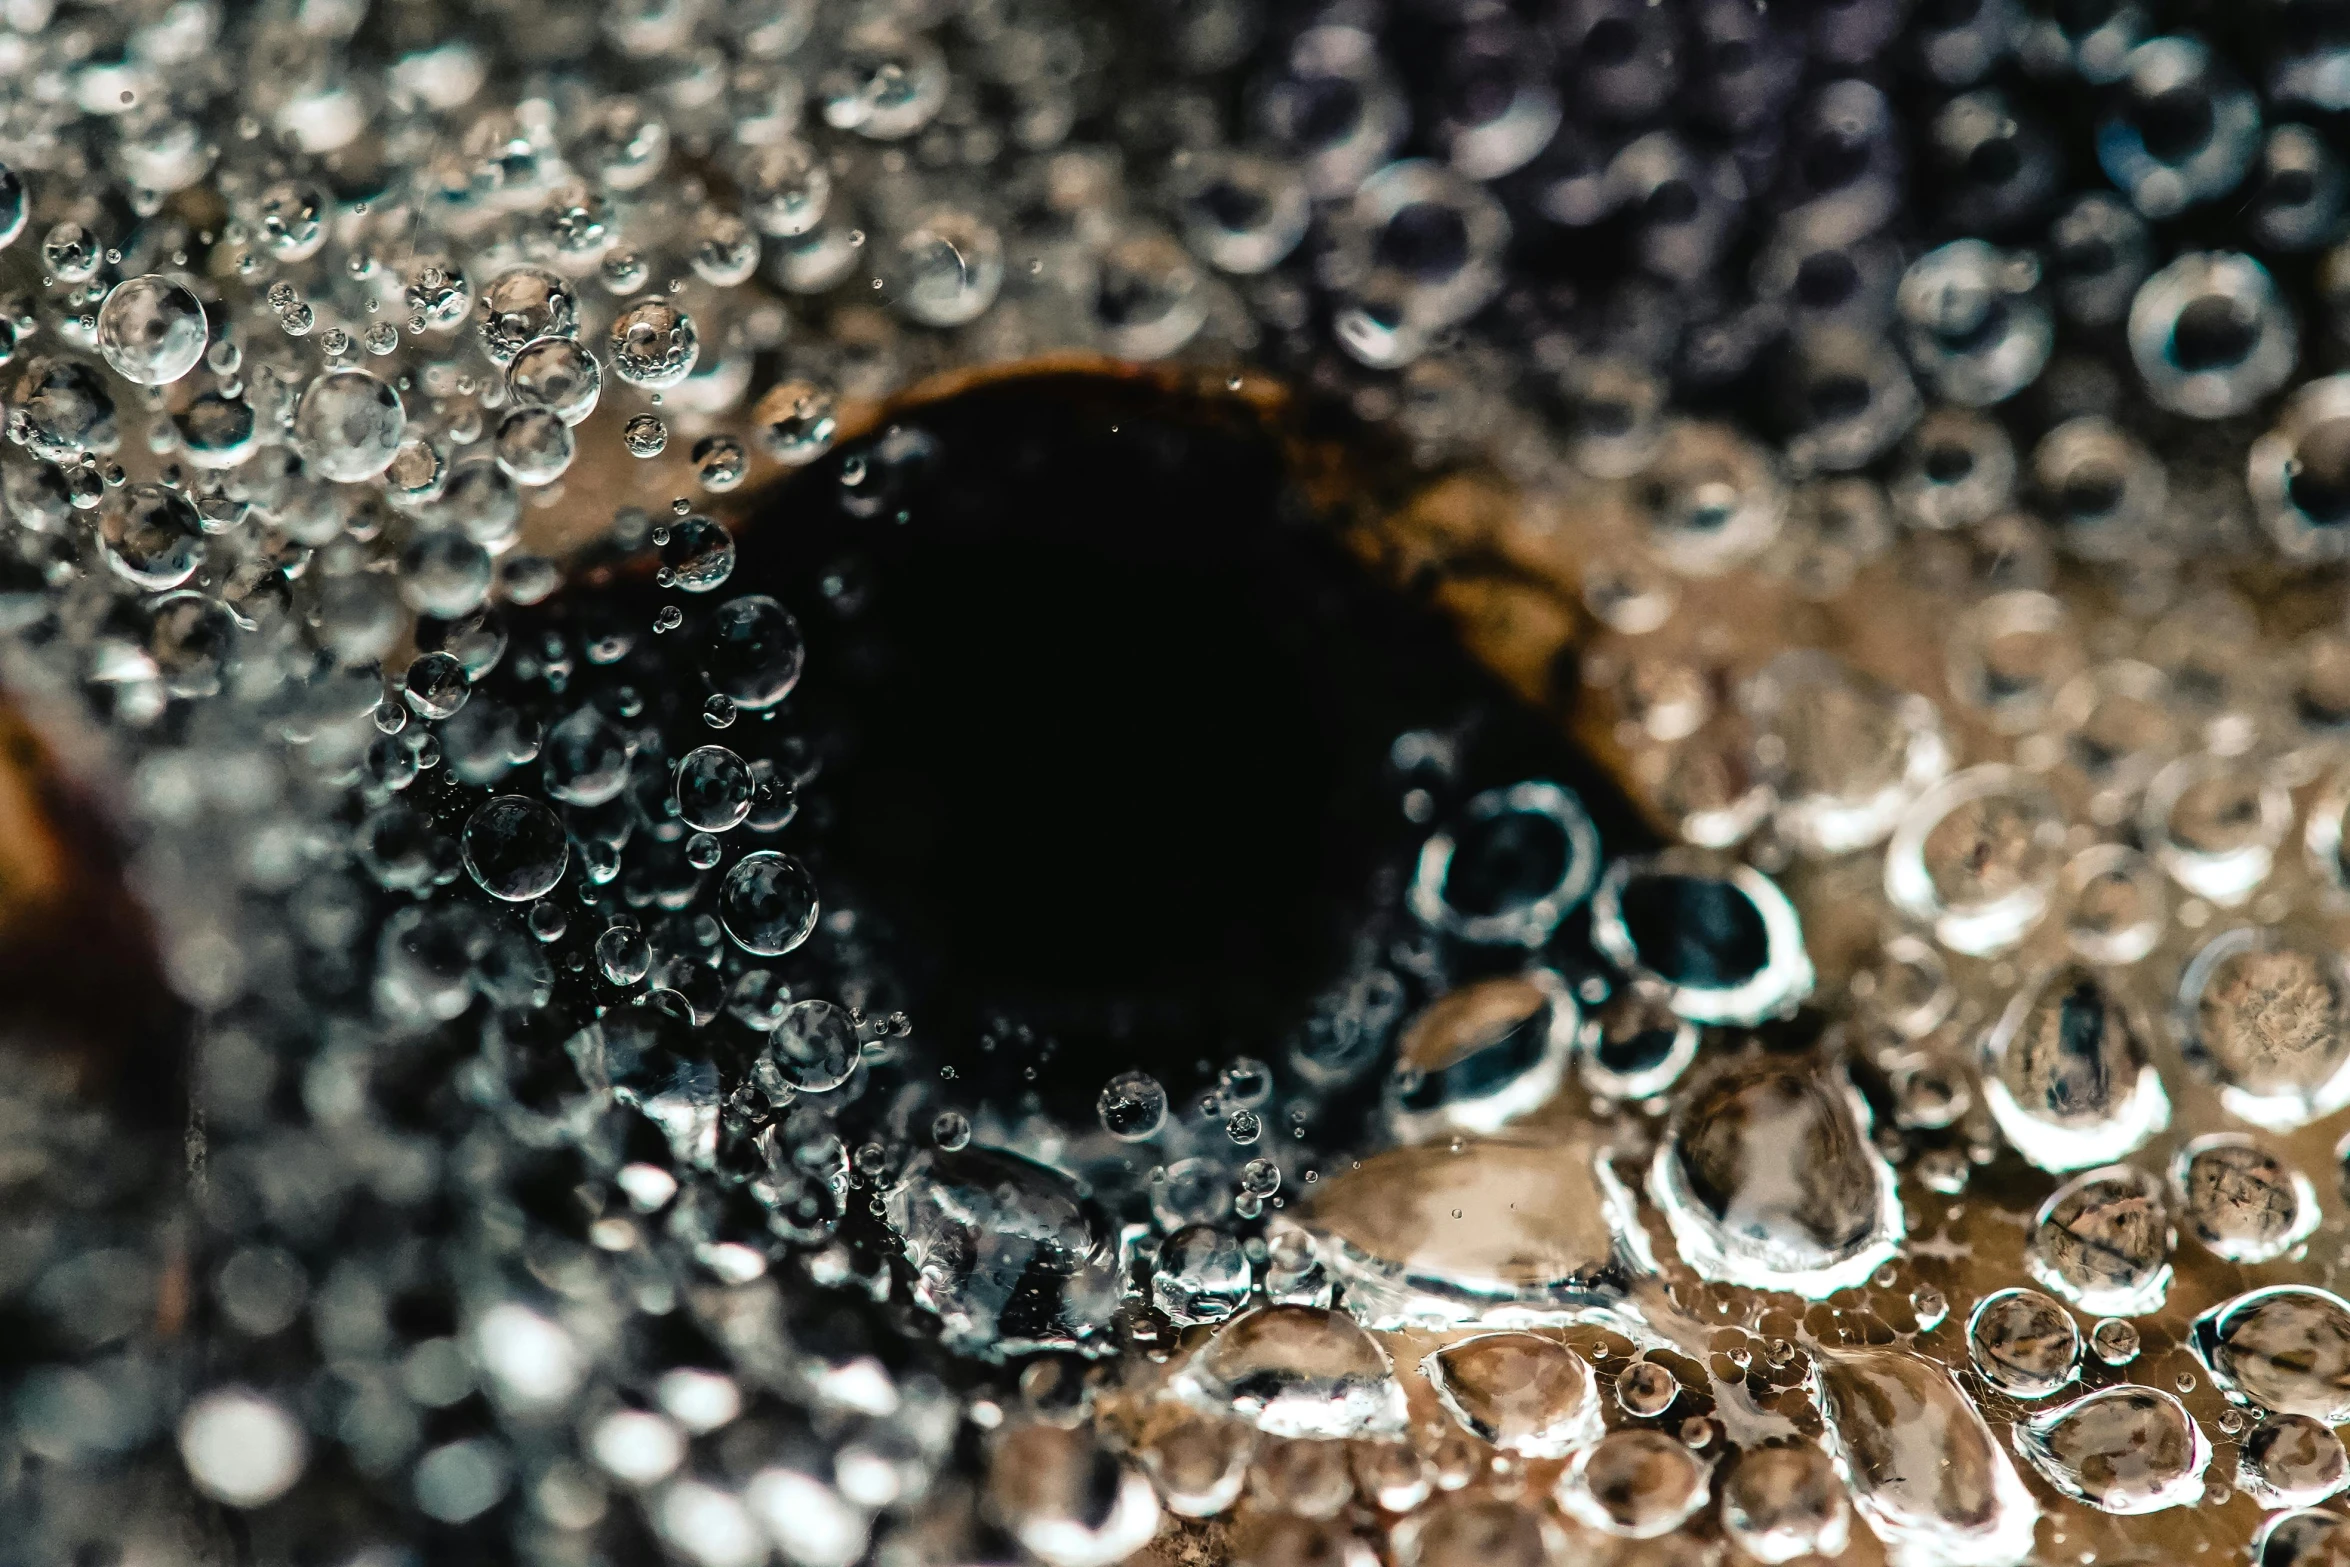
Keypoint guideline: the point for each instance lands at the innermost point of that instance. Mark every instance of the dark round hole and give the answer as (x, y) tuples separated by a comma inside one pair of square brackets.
[(2320, 484), (1695, 930), (2176, 123), (2092, 494), (2212, 333), (1674, 201), (1826, 279), (1611, 41), (1427, 239), (1838, 396), (1948, 463)]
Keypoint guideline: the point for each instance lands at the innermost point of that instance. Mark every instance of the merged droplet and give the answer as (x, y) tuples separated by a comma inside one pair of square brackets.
[(2067, 1074), (1483, 1055), (1768, 1179), (2285, 1347), (1519, 1392), (1296, 1371), (1006, 1254), (1438, 1234), (2121, 1449), (2103, 1241), (1925, 1471)]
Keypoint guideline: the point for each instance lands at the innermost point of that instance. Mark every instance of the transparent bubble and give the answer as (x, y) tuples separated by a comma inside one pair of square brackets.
[(714, 789), (646, 436), (653, 344), (1202, 1275), (1646, 1389), (1783, 1503), (946, 267), (726, 249), (752, 652), (887, 84), (2214, 824), (349, 425), (534, 446), (1720, 940), (1958, 469), (1518, 1392), (436, 293), (623, 955), (795, 423), (1148, 297), (1768, 1180), (2023, 1343), (436, 685), (1242, 212), (152, 536), (2103, 1241), (785, 187), (814, 1045), (586, 758), (1709, 499), (720, 463), (2267, 1013), (292, 216), (624, 145), (1296, 1371), (515, 848), (522, 305), (1973, 321), (1519, 859), (1976, 857), (556, 373), (151, 330), (1635, 1484), (60, 408), (2121, 1449), (1335, 108), (1844, 754), (950, 1130), (2181, 130), (2211, 336), (1132, 1107), (2292, 1461), (768, 903)]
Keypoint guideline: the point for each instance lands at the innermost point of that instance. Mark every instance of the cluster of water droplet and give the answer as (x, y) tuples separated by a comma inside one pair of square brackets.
[(521, 1201)]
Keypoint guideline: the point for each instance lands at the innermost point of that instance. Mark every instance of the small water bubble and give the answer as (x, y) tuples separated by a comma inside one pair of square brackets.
[(2103, 1242), (534, 446), (436, 685), (1636, 1484), (667, 618), (653, 345), (951, 1129), (623, 955), (2024, 1343), (1646, 1389), (720, 463), (2115, 1341), (1132, 1107), (768, 903), (645, 435), (515, 848), (1243, 1127)]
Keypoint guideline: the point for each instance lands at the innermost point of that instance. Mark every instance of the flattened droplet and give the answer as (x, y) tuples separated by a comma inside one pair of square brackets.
[(1769, 1180), (2240, 1200), (2267, 1014), (1519, 1392), (2305, 1539), (1006, 1253), (2103, 1241), (2286, 1347), (1479, 1531), (2121, 1449), (1296, 1371), (1924, 1469), (1483, 1055), (2067, 1075), (1067, 1499), (2291, 1461), (2023, 1343), (1781, 1503), (1499, 1232), (1635, 1484)]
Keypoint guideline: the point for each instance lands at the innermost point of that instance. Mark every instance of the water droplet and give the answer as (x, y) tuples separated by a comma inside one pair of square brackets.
[(2240, 1200), (1517, 861), (1925, 1471), (2023, 1343), (1634, 1484), (1296, 1371), (1768, 1179), (1483, 1055), (1782, 1503), (2292, 1461), (2267, 1013), (515, 848), (151, 330), (768, 903), (2103, 1241), (815, 1046), (2121, 1449), (1519, 1392), (2068, 1076), (1202, 1275)]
